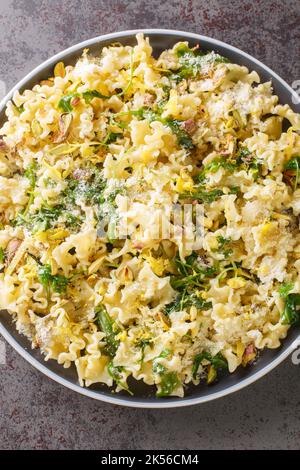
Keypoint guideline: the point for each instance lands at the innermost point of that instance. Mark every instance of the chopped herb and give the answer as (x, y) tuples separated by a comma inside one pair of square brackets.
[(203, 195), (44, 219), (69, 195), (146, 113), (217, 361), (90, 189), (185, 266), (247, 161), (40, 221), (158, 368), (161, 104), (72, 220), (223, 246), (109, 327), (112, 137)]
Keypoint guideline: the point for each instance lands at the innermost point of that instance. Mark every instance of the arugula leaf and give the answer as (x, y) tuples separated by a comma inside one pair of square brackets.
[(285, 289), (191, 274), (215, 165), (293, 164), (193, 264), (142, 344), (109, 327), (185, 300), (193, 62), (183, 138), (291, 312), (169, 381), (58, 283), (217, 361), (204, 195), (115, 373), (157, 367), (90, 94), (243, 160), (64, 103)]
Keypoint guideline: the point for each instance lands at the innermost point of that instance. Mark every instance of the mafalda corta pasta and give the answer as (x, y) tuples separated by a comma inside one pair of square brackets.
[(124, 137)]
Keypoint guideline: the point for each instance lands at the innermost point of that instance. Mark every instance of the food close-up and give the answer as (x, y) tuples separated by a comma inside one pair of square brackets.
[(96, 270)]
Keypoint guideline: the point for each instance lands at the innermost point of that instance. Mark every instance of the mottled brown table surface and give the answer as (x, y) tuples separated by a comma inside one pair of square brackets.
[(40, 414)]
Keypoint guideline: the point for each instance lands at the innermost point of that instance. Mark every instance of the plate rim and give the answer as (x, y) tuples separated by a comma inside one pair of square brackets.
[(124, 401)]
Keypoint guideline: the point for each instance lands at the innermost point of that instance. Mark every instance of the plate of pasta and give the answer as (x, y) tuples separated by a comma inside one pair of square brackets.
[(149, 218)]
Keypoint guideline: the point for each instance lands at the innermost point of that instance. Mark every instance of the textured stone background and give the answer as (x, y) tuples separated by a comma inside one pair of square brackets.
[(40, 414)]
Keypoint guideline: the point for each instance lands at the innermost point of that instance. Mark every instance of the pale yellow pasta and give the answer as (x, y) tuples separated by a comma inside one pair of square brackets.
[(149, 216)]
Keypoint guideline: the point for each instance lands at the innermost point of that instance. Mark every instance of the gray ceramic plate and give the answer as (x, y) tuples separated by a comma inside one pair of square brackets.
[(144, 395)]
